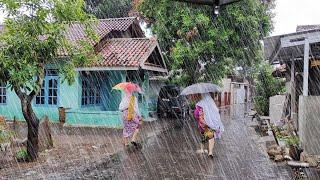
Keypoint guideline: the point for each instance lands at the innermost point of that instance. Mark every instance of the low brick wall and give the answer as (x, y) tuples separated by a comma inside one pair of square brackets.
[(309, 123)]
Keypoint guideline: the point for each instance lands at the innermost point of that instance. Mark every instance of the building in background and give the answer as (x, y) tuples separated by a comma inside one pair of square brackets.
[(299, 56), (127, 55), (235, 90)]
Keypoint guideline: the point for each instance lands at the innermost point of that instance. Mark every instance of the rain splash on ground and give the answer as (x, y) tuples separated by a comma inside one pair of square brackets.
[(168, 152)]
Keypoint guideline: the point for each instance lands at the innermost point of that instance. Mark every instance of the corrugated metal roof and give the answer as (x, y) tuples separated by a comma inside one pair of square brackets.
[(307, 27)]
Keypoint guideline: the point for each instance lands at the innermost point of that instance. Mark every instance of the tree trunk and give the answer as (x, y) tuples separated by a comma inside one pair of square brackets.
[(33, 128)]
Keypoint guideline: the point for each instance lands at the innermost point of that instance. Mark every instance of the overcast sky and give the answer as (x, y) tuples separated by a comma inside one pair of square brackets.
[(289, 14)]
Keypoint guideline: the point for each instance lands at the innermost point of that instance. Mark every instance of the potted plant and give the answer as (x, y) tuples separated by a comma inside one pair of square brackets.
[(295, 150)]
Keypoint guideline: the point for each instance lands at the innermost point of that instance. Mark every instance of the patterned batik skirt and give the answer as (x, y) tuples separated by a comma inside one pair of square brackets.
[(207, 134), (130, 125)]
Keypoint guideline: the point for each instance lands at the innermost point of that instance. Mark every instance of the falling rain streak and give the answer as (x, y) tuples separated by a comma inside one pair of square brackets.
[(266, 88)]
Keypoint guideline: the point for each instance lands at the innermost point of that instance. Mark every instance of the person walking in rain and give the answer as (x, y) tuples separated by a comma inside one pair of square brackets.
[(131, 116), (209, 122)]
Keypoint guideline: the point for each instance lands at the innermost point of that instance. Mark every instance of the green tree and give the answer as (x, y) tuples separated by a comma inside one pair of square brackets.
[(32, 38), (191, 38), (266, 87), (109, 8)]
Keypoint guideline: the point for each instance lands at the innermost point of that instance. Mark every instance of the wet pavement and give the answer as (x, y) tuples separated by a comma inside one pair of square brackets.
[(172, 155), (169, 152)]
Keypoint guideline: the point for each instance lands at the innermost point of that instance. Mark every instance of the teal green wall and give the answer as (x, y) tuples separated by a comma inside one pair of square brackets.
[(144, 108), (70, 97), (113, 96), (105, 115), (94, 118)]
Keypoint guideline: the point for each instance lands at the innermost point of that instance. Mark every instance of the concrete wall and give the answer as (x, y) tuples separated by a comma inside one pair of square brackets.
[(276, 107), (309, 123), (238, 93)]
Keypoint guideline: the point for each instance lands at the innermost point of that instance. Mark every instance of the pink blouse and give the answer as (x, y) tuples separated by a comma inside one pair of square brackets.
[(198, 115)]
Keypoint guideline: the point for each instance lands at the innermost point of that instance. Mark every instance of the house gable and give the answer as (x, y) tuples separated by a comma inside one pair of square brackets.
[(155, 61), (130, 54), (133, 31), (106, 29)]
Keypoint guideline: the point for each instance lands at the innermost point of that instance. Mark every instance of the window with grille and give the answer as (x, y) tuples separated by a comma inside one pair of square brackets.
[(3, 93), (91, 92), (48, 94), (40, 98)]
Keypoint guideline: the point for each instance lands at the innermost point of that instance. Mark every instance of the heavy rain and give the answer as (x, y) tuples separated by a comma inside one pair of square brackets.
[(159, 89)]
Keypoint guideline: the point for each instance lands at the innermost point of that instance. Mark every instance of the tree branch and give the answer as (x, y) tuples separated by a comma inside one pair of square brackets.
[(19, 93), (39, 81), (33, 93), (4, 76)]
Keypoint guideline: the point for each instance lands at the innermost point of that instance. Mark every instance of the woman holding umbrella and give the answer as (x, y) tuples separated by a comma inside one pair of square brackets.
[(206, 114), (131, 116)]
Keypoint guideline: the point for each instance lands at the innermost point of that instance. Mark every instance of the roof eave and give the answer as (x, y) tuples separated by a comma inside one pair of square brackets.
[(157, 69), (110, 68)]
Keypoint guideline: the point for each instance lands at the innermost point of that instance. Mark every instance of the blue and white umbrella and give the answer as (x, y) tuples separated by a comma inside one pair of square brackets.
[(201, 88)]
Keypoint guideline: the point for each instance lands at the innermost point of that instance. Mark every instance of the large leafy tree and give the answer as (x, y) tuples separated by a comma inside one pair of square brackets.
[(203, 47), (109, 8), (33, 37), (266, 87)]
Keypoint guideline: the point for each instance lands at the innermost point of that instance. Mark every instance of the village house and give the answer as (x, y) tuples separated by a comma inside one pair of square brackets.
[(298, 57), (90, 101), (235, 90)]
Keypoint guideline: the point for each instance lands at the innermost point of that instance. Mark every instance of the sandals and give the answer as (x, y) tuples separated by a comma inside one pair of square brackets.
[(135, 144)]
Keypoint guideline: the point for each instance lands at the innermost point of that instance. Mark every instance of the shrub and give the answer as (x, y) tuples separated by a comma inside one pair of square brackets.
[(22, 154), (266, 87), (5, 136), (293, 141)]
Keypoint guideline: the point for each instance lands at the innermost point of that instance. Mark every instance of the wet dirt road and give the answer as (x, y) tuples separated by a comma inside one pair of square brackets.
[(172, 155)]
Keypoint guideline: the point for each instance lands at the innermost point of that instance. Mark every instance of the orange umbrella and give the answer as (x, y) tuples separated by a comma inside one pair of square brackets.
[(128, 87)]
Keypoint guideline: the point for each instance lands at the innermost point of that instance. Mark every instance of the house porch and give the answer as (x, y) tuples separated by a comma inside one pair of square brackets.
[(300, 52)]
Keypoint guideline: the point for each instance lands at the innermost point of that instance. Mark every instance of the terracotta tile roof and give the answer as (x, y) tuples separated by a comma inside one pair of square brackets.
[(126, 52), (102, 27), (116, 52), (76, 31)]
